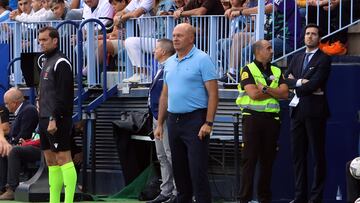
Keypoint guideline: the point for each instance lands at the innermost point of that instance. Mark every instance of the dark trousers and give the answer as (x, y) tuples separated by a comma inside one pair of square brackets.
[(3, 172), (189, 156), (260, 135), (305, 133), (352, 185), (20, 155)]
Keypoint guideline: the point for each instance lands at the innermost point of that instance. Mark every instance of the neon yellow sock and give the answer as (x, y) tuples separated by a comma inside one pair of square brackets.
[(69, 176), (56, 183)]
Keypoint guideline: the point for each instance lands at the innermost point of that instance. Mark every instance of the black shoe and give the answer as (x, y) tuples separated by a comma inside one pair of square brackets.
[(224, 78), (159, 199), (172, 199)]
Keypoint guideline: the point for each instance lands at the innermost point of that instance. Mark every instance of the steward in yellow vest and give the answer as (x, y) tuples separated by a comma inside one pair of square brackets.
[(262, 84)]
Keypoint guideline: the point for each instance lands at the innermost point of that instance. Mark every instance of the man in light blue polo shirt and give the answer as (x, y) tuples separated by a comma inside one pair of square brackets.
[(189, 100)]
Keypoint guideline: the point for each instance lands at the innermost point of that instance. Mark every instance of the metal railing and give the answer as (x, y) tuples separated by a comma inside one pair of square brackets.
[(228, 42)]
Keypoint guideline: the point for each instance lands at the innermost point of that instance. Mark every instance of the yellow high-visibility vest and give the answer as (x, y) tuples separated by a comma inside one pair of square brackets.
[(268, 105)]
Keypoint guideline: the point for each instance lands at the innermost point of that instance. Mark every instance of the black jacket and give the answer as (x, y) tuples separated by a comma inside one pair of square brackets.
[(24, 123)]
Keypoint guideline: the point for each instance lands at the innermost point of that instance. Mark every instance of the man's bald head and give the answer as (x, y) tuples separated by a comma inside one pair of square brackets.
[(13, 98), (262, 50), (183, 37)]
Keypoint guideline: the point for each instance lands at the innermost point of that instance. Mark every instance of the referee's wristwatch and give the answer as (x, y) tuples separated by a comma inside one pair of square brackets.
[(209, 123), (51, 118)]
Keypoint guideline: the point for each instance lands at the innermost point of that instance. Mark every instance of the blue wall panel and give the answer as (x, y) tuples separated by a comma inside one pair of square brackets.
[(341, 141), (4, 79)]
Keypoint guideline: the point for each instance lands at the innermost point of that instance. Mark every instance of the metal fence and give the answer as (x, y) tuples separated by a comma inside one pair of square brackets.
[(227, 42)]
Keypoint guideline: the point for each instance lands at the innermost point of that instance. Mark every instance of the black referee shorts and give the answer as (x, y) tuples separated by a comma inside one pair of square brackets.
[(61, 140)]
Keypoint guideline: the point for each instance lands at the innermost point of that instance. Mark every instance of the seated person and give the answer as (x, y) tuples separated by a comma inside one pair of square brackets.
[(115, 39), (24, 9), (24, 124), (98, 9), (195, 8), (4, 119), (330, 10), (62, 12), (237, 24), (41, 12), (26, 151), (103, 11), (137, 47), (282, 34), (4, 11)]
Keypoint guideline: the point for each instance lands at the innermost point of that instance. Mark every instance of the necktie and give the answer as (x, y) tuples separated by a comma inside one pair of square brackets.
[(306, 61)]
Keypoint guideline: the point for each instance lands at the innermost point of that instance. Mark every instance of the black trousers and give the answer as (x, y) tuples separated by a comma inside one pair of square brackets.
[(17, 156), (305, 133), (3, 172), (189, 156), (352, 185), (260, 135)]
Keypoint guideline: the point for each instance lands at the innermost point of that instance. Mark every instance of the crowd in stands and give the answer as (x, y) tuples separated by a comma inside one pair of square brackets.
[(282, 25)]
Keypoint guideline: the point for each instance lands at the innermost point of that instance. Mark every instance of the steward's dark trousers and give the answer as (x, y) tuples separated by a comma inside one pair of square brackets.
[(260, 135), (189, 156), (352, 185)]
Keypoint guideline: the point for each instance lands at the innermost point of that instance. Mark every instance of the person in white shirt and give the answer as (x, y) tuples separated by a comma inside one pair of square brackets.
[(24, 8), (138, 9), (99, 9), (41, 12)]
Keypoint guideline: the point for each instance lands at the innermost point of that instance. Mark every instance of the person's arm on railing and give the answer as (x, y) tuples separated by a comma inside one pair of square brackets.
[(254, 10), (132, 14)]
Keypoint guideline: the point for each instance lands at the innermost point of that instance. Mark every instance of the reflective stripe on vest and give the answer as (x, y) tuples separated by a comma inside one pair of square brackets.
[(267, 105)]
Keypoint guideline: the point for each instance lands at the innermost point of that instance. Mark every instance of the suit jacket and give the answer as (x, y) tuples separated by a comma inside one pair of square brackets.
[(154, 94), (317, 72), (24, 123)]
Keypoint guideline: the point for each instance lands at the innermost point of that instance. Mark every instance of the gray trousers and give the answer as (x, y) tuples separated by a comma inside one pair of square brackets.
[(163, 153)]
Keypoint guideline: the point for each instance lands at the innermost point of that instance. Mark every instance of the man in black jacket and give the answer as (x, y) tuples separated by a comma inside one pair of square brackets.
[(24, 124), (307, 75), (55, 109)]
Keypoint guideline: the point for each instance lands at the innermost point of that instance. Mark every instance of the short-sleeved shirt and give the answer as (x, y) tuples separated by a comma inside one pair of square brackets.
[(104, 11), (186, 79), (247, 78), (290, 21), (214, 7), (146, 5), (147, 26), (4, 114), (5, 16)]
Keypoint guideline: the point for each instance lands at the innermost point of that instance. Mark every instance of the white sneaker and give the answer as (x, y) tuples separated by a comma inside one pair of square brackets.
[(133, 79)]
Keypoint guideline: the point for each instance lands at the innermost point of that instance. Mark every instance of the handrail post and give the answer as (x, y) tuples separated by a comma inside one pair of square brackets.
[(260, 20), (236, 153), (93, 150), (85, 145), (16, 53), (130, 24)]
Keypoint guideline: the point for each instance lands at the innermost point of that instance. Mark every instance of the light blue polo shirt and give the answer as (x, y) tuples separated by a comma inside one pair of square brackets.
[(186, 81)]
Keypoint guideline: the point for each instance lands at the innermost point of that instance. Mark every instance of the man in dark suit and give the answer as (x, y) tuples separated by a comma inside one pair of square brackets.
[(163, 50), (24, 124), (307, 76)]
